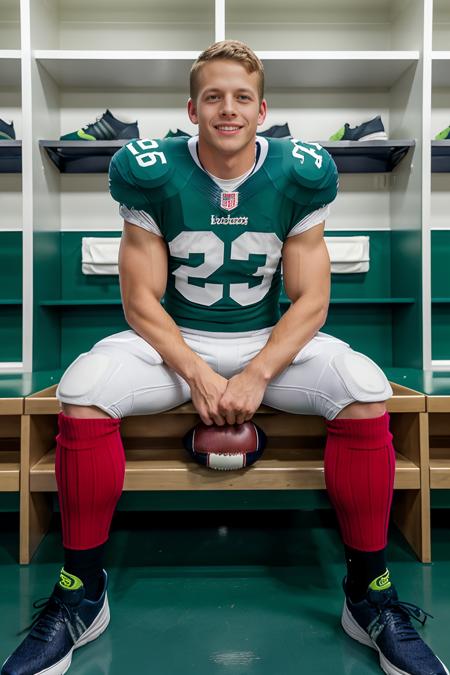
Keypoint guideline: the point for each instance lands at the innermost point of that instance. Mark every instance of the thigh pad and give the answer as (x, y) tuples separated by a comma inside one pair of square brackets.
[(362, 378), (84, 376)]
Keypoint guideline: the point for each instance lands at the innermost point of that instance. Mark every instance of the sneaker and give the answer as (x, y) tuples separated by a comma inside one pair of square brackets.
[(174, 134), (276, 131), (105, 128), (383, 623), (65, 622), (373, 130), (7, 132), (443, 135)]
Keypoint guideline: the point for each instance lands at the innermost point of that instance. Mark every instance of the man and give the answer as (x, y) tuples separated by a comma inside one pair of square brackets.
[(208, 222)]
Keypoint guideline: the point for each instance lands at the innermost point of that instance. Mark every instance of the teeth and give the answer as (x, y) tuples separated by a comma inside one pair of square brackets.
[(228, 128)]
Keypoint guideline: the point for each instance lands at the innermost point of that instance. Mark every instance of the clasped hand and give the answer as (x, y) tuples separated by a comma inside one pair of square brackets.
[(234, 401)]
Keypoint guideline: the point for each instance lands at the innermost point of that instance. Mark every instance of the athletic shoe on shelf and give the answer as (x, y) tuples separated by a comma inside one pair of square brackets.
[(381, 621), (105, 128), (7, 132), (443, 135), (373, 130), (178, 132), (66, 621), (276, 131)]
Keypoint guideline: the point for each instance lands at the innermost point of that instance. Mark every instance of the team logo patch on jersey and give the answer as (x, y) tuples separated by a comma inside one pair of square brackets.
[(229, 200)]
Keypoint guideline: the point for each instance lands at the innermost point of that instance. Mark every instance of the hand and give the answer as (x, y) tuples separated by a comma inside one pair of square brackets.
[(242, 397), (206, 392)]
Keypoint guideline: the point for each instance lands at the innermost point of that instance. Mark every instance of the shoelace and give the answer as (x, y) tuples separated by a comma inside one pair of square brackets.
[(91, 124), (398, 611), (44, 619)]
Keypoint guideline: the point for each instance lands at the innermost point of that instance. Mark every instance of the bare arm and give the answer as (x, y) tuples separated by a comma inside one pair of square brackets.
[(143, 264), (306, 271)]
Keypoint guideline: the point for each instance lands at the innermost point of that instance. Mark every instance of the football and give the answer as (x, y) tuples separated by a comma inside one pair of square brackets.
[(225, 448)]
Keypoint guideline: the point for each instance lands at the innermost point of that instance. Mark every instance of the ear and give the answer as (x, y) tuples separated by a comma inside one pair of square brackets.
[(192, 111), (262, 112)]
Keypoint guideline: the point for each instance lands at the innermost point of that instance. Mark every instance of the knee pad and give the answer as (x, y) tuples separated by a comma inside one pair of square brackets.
[(361, 377), (84, 377)]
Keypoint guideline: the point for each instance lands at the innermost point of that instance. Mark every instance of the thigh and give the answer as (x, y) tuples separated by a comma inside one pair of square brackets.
[(123, 375), (325, 377)]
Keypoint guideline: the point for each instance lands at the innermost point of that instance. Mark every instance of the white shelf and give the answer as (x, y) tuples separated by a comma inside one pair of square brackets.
[(10, 60), (130, 70), (170, 70), (349, 70), (349, 24), (134, 24)]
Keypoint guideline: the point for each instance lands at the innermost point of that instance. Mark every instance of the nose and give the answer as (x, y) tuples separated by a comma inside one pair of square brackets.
[(227, 108)]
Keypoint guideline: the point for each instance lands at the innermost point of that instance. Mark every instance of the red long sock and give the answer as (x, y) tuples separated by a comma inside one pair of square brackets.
[(90, 469), (359, 475)]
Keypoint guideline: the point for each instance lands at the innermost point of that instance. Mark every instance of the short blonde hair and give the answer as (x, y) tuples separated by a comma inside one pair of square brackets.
[(234, 50)]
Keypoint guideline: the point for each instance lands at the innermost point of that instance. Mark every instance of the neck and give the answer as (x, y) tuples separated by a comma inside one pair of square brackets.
[(223, 165)]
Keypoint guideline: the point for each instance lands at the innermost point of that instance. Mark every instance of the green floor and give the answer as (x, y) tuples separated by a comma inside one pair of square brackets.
[(255, 593)]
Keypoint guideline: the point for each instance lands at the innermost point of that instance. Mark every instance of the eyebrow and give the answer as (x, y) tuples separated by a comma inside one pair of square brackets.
[(241, 89)]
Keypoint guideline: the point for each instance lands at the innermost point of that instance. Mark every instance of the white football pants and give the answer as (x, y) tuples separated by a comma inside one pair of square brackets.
[(124, 375)]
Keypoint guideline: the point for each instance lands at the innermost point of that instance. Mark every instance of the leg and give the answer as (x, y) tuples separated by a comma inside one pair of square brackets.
[(122, 375), (350, 392)]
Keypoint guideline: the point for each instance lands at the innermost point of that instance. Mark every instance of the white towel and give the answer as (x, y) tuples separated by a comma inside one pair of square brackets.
[(348, 255), (99, 255)]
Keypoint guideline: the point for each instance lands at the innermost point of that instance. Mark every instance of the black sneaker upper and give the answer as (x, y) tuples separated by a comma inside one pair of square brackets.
[(62, 619), (7, 132)]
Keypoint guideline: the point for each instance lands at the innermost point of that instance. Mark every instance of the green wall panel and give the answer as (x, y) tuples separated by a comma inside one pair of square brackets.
[(78, 286), (46, 286), (82, 327), (10, 291), (440, 288)]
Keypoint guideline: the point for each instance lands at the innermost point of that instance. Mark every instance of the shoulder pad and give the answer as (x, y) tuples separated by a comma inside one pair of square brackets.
[(308, 164), (146, 163)]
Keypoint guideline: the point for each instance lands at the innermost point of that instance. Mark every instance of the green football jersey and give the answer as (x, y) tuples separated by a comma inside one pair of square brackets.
[(224, 248)]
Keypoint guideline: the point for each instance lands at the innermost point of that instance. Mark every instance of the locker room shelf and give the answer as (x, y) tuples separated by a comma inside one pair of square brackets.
[(367, 156), (350, 156), (438, 407), (440, 156), (13, 303), (10, 155), (279, 468), (10, 423), (56, 304), (169, 70), (440, 301), (79, 303), (363, 301), (82, 156)]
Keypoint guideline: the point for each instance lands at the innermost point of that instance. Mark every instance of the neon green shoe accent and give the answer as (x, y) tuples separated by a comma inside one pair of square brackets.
[(442, 135), (339, 135), (381, 583), (84, 136), (69, 581)]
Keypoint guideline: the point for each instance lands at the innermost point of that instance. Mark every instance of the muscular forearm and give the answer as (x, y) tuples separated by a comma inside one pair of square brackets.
[(294, 330), (150, 320)]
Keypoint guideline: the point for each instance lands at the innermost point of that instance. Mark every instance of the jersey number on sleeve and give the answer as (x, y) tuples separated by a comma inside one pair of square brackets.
[(146, 158), (212, 247)]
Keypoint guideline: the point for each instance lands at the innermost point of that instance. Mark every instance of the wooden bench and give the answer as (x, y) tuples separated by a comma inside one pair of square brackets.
[(293, 460), (10, 415)]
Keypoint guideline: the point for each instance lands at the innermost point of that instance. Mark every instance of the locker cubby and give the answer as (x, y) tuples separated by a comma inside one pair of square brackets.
[(10, 25), (11, 296), (322, 24), (441, 25), (438, 407), (114, 25)]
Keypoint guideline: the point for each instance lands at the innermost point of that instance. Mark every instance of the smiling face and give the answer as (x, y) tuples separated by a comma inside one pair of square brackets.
[(228, 112)]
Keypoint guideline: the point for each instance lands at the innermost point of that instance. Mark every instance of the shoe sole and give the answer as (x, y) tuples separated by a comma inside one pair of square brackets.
[(354, 630), (378, 136), (96, 628)]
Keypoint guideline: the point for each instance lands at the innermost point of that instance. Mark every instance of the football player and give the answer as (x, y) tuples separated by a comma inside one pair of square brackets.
[(208, 222)]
